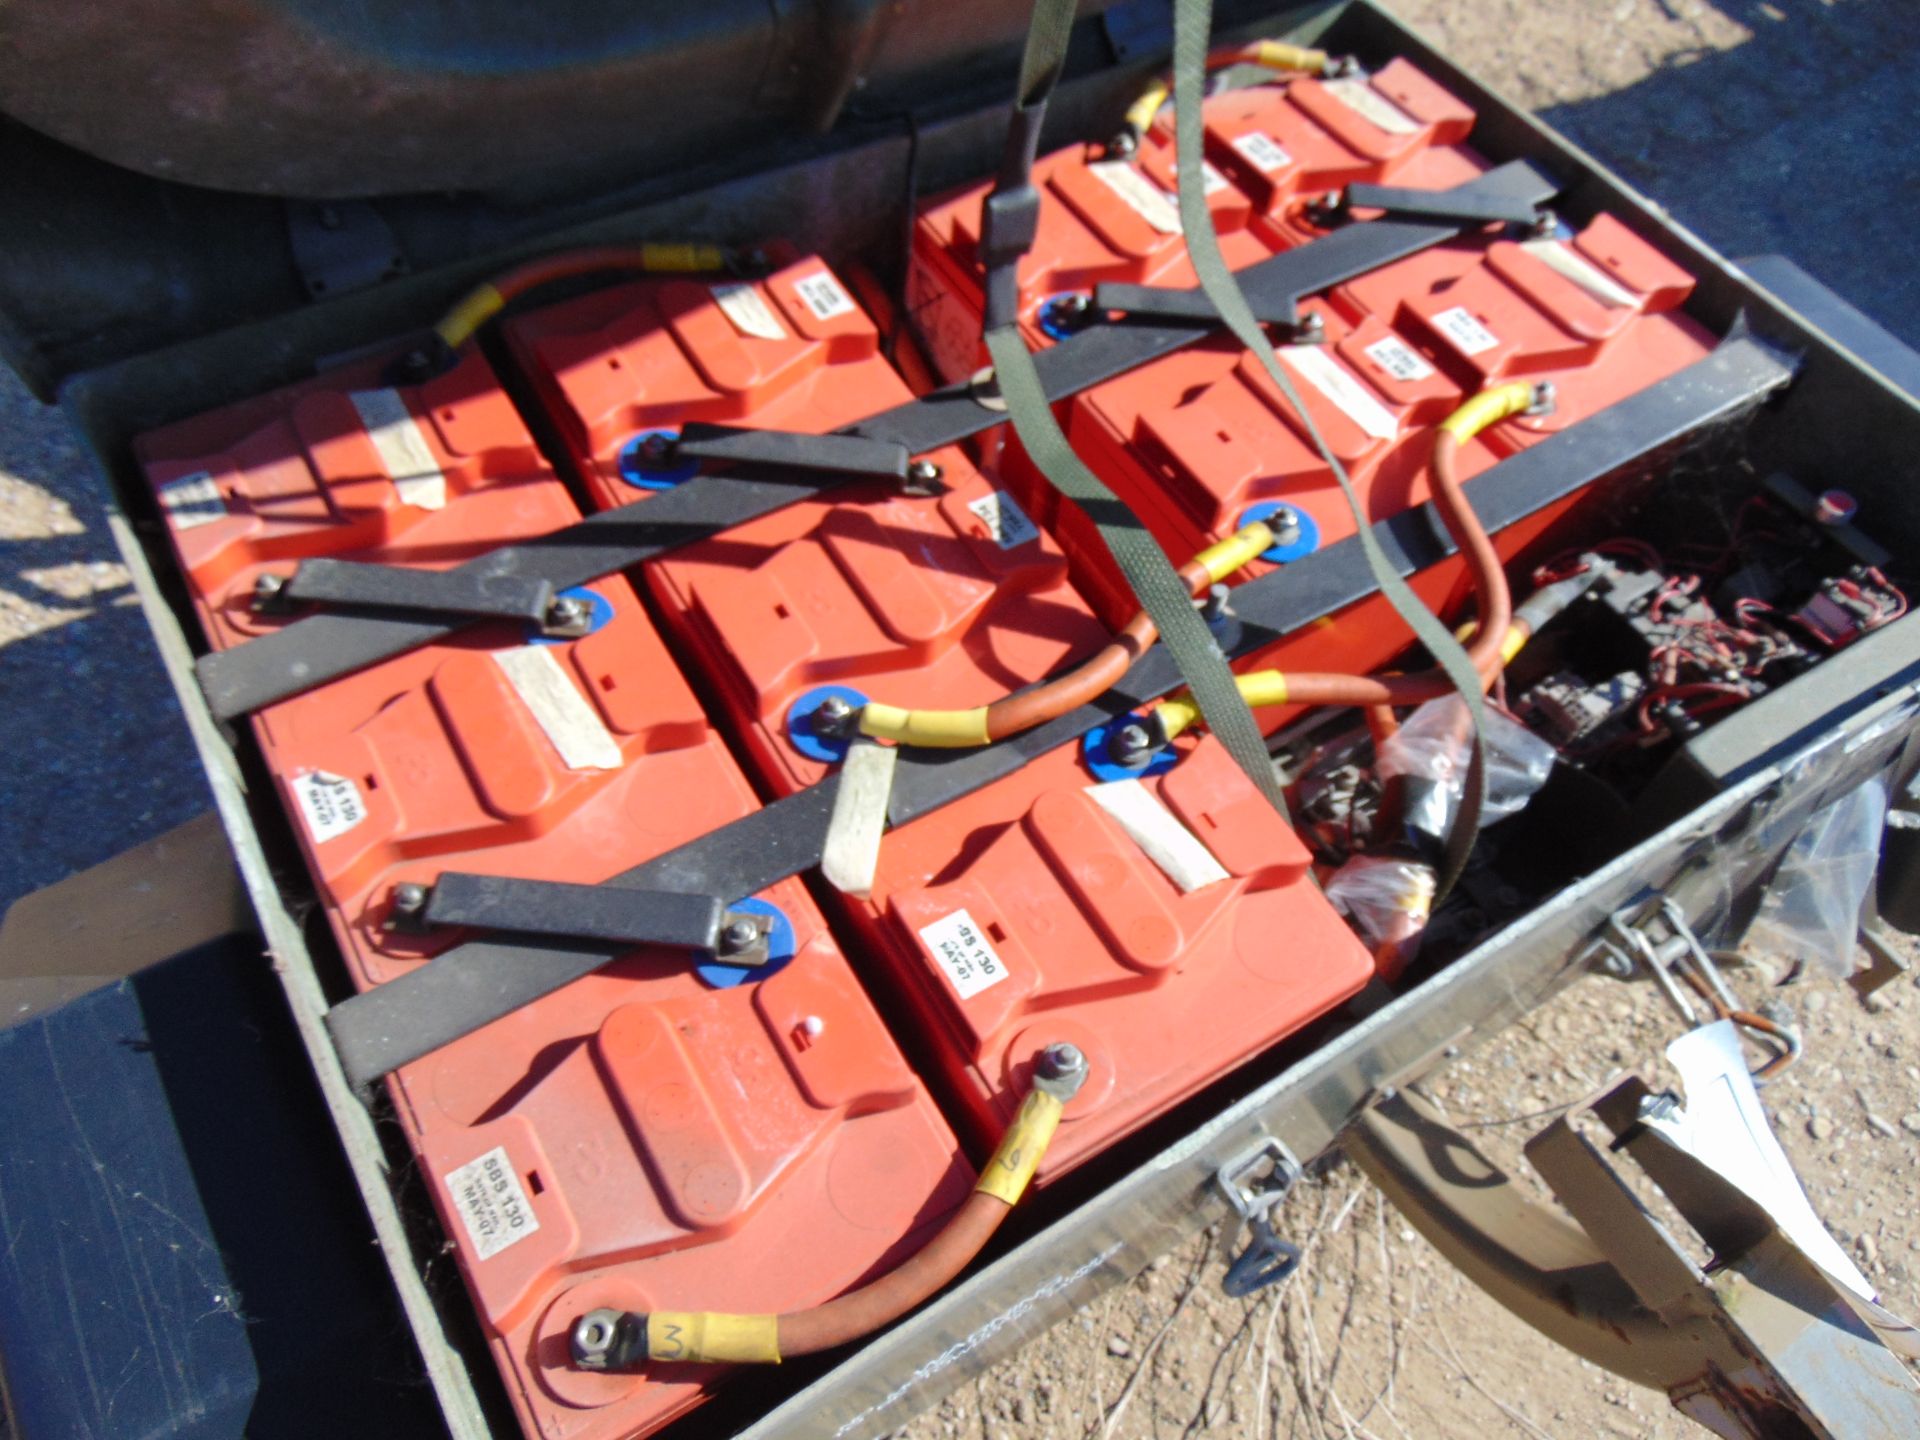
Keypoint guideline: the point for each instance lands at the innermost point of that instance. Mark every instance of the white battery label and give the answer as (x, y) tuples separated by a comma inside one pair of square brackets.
[(565, 716), (1358, 95), (1344, 390), (193, 500), (963, 953), (330, 804), (1213, 180), (402, 448), (823, 295), (1398, 359), (492, 1203), (1558, 258), (1006, 522), (1141, 195), (1262, 151), (747, 309), (1461, 326)]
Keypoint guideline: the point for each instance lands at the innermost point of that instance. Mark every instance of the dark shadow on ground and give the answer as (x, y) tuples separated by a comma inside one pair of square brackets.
[(1805, 141)]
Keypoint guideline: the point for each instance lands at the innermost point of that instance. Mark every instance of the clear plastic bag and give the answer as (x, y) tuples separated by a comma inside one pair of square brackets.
[(1388, 900), (1436, 743), (1811, 911)]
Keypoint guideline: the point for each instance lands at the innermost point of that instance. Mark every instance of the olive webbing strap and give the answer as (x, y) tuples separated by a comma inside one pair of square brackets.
[(1192, 27), (1008, 221)]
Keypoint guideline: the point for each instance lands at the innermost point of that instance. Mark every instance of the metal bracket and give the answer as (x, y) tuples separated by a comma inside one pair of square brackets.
[(1164, 304), (699, 923), (1255, 1182), (341, 245), (437, 592), (790, 450), (1455, 206)]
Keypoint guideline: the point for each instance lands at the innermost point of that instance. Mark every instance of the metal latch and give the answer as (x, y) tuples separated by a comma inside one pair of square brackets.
[(1655, 935), (1254, 1183)]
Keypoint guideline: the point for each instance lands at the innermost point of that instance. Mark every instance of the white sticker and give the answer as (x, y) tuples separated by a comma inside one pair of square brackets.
[(823, 295), (492, 1203), (1142, 196), (1358, 95), (1262, 151), (1398, 359), (960, 949), (1582, 272), (1158, 831), (330, 804), (193, 500), (563, 713), (748, 310), (1460, 326), (1006, 522), (1327, 375), (1214, 181), (403, 449), (851, 856)]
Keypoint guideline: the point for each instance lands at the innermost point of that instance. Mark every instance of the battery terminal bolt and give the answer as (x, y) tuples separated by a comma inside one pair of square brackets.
[(835, 718), (739, 936), (1285, 524), (409, 907), (269, 592), (925, 478), (1123, 145), (1312, 329), (1545, 398), (1213, 606), (568, 615), (1062, 1069), (1545, 224)]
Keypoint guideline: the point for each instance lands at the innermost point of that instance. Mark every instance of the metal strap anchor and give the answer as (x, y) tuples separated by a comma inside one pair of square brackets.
[(1254, 1193)]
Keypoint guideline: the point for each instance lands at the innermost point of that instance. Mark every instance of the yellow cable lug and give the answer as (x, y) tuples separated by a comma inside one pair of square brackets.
[(474, 310), (1278, 55), (1248, 543), (1177, 713), (1140, 114), (1489, 407), (1011, 1169), (691, 1337), (671, 258), (943, 729)]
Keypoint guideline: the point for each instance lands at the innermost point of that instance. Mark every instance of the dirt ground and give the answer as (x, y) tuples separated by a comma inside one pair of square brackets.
[(1377, 1337)]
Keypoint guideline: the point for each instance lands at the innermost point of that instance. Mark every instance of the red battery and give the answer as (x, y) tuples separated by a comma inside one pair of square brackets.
[(646, 1135), (793, 351), (1101, 219), (1027, 914), (1288, 145), (1196, 440), (346, 467), (937, 602)]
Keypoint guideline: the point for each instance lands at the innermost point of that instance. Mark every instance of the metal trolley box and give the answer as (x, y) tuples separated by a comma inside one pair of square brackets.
[(1732, 805)]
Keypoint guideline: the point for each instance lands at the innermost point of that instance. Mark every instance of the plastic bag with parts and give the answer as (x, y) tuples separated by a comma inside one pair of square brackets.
[(1435, 743)]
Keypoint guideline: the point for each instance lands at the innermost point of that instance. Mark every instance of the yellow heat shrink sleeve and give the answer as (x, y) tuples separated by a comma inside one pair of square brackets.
[(1021, 1148), (1489, 407), (1140, 114), (1518, 634), (691, 1336), (1278, 55), (943, 729), (474, 310), (1262, 687), (681, 258), (1224, 557)]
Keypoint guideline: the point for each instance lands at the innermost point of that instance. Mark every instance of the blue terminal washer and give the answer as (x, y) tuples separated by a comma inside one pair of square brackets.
[(647, 461), (829, 749), (780, 949), (1096, 749)]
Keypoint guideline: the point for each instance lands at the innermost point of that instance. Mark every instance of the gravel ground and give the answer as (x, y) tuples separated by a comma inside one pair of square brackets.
[(1765, 127)]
